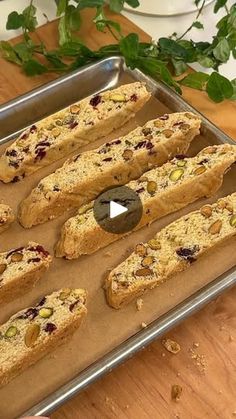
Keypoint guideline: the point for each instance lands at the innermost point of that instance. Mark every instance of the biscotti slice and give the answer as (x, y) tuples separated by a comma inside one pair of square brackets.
[(32, 333), (20, 269), (172, 250), (84, 176), (66, 131), (162, 190), (6, 217)]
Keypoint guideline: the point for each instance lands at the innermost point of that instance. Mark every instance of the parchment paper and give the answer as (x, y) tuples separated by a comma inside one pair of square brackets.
[(104, 327)]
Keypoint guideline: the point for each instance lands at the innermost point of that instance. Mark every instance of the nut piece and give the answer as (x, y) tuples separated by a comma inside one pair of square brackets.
[(140, 249), (144, 272), (229, 207), (206, 211), (199, 170), (215, 227), (176, 391), (221, 204), (3, 267), (11, 332), (74, 109), (176, 174), (32, 334), (171, 346), (167, 133), (45, 312), (181, 163), (64, 294), (151, 187), (128, 154), (56, 132), (158, 123), (184, 127), (233, 220), (148, 260), (116, 97), (16, 257), (154, 244)]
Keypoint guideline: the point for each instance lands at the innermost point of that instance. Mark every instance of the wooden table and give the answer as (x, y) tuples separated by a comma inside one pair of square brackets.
[(206, 365)]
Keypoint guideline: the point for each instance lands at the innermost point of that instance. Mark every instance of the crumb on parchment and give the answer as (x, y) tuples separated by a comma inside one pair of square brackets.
[(176, 391), (171, 346)]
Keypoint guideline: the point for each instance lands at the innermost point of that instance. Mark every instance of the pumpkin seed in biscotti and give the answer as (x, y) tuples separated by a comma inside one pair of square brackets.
[(200, 170), (176, 175), (32, 334), (154, 244), (11, 332), (64, 294), (3, 267), (233, 220), (117, 97), (74, 109), (144, 272), (206, 211), (147, 261), (167, 133), (215, 227), (140, 249), (16, 257), (128, 154), (151, 187), (45, 312)]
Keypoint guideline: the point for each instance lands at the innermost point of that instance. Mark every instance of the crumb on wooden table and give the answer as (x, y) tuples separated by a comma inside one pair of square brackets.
[(176, 391), (139, 304), (171, 346), (143, 325), (199, 359)]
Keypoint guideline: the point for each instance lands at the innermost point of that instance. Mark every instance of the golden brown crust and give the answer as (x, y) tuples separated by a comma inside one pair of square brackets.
[(82, 178)]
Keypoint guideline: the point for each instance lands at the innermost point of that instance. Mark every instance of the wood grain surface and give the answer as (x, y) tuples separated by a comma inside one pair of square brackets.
[(205, 367)]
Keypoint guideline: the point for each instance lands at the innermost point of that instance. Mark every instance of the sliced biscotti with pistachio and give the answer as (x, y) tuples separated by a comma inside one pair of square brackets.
[(162, 190), (66, 131), (21, 268), (172, 250), (32, 333), (84, 176), (6, 217)]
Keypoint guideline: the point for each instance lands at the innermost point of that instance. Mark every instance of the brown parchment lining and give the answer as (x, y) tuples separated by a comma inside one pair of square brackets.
[(104, 327)]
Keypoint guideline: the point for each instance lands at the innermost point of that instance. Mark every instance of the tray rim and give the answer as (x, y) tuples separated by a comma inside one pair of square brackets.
[(170, 319)]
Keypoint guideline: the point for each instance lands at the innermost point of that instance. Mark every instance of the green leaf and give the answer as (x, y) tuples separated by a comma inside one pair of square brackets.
[(129, 47), (23, 51), (73, 17), (171, 47), (30, 21), (219, 88), (205, 61), (179, 66), (219, 4), (198, 25), (232, 39), (132, 3), (222, 51), (102, 22), (64, 32), (33, 67), (61, 7), (89, 3), (56, 62), (195, 80), (8, 53), (116, 5), (233, 82), (14, 21)]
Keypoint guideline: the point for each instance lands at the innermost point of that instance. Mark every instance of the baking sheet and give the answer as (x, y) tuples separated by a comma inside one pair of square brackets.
[(104, 328)]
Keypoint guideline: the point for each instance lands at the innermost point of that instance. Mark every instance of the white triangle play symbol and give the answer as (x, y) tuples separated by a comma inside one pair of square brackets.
[(116, 209)]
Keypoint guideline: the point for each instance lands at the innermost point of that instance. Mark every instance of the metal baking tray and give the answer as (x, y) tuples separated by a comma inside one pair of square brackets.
[(25, 110)]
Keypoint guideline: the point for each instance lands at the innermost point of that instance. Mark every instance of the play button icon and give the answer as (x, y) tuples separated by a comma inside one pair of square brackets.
[(118, 210)]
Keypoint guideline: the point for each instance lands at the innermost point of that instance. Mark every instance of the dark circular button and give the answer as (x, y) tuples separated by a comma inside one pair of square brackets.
[(118, 210)]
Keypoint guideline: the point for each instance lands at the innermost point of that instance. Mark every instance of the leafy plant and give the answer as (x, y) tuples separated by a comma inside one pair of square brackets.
[(163, 60)]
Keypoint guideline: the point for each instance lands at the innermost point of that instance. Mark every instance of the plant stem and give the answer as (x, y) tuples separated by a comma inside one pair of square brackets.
[(191, 26)]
